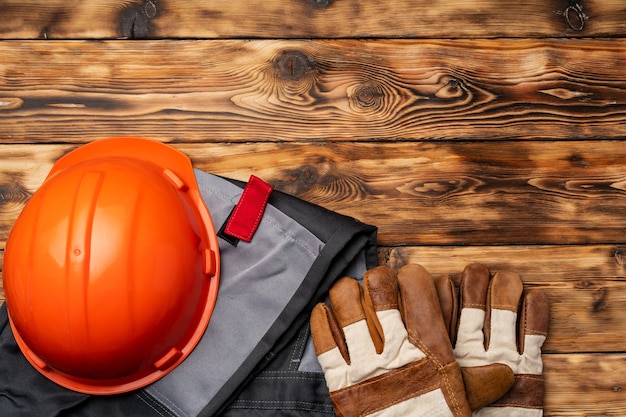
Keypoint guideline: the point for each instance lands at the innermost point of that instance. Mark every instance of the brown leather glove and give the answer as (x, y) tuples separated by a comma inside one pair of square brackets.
[(375, 363), (487, 332)]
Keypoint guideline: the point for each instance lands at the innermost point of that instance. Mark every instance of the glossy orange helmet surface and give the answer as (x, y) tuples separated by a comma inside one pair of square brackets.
[(111, 270)]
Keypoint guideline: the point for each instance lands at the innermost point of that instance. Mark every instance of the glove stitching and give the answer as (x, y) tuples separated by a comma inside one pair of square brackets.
[(455, 405), (474, 305), (529, 376), (525, 315), (522, 342), (389, 306), (504, 307), (412, 394), (531, 331), (522, 404), (517, 405)]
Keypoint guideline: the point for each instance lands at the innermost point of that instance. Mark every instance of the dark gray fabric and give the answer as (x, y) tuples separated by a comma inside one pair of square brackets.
[(23, 391), (284, 388), (258, 280), (292, 384)]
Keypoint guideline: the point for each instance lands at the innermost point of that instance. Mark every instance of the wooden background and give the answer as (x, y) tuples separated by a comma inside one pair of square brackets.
[(469, 130)]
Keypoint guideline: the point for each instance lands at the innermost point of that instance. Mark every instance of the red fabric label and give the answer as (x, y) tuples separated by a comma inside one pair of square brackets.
[(249, 210)]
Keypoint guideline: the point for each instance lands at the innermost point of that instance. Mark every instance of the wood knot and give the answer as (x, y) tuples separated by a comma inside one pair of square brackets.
[(320, 3), (293, 65), (369, 96), (150, 9), (6, 194), (600, 300), (619, 255), (12, 195), (575, 17), (306, 175), (135, 20), (298, 181), (450, 88), (578, 161)]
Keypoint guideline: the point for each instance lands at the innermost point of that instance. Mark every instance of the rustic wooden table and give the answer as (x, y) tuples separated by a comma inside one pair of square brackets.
[(469, 130)]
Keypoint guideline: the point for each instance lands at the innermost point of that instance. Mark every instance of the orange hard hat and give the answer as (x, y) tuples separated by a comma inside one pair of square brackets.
[(111, 270)]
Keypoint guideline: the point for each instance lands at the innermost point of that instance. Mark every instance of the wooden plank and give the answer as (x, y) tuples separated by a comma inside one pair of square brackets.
[(586, 285), (474, 193), (585, 385), (449, 193), (240, 91), (310, 19), (22, 170), (507, 149)]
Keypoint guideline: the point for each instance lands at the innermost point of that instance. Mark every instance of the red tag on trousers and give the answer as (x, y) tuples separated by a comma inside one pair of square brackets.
[(249, 210)]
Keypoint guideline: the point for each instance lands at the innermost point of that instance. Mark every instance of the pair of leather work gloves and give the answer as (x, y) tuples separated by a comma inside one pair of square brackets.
[(406, 345)]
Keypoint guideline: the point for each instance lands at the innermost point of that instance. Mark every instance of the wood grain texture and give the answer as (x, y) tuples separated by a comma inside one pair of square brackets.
[(22, 170), (342, 90), (476, 193), (54, 19), (448, 193), (585, 385), (467, 131)]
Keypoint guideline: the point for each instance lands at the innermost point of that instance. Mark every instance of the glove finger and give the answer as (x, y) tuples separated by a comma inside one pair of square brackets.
[(505, 291), (484, 382), (448, 301), (346, 298), (381, 289), (424, 321), (533, 329), (474, 288), (381, 293), (326, 333)]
